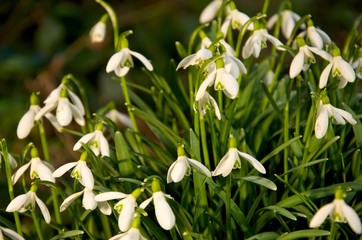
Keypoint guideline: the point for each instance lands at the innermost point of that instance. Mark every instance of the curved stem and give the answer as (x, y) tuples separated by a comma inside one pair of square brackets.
[(229, 235), (37, 225)]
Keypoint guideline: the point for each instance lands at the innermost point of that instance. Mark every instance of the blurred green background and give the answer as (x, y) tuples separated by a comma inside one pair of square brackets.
[(41, 41)]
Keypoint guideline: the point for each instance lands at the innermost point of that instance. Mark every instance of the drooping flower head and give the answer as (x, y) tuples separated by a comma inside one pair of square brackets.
[(133, 233), (96, 141), (164, 214), (288, 22), (235, 19), (338, 211), (210, 11), (25, 202), (38, 169), (325, 111), (315, 36), (206, 103), (232, 160), (98, 31), (195, 59), (121, 62), (10, 234), (81, 172), (182, 166)]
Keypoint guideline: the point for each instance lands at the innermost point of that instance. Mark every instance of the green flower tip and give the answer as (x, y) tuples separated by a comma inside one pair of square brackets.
[(156, 187), (34, 152), (137, 192), (34, 99), (84, 156), (123, 39), (232, 5), (34, 187), (202, 34), (324, 97), (180, 150), (300, 42), (99, 126), (64, 92), (339, 194), (310, 23), (336, 52), (232, 141), (220, 63), (104, 18), (136, 222)]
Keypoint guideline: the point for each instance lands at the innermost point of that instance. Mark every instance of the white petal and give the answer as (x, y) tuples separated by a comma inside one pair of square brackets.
[(187, 61), (53, 120), (325, 75), (346, 70), (77, 102), (105, 208), (145, 203), (321, 125), (98, 32), (88, 201), (170, 170), (85, 139), (44, 172), (144, 60), (86, 179), (69, 200), (272, 21), (321, 215), (127, 213), (109, 196), (215, 106), (210, 11), (121, 71), (103, 145), (352, 218), (20, 172), (225, 165), (17, 203), (297, 64), (11, 234), (248, 48), (44, 210), (63, 169), (12, 161), (199, 167), (47, 108), (326, 39), (64, 113), (207, 82), (256, 164), (114, 61), (25, 125), (164, 215), (179, 169), (77, 115), (275, 41), (314, 37), (346, 115), (321, 53), (225, 26), (231, 86)]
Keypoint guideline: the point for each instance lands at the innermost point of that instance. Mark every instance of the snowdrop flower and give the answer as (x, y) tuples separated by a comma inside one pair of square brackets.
[(357, 65), (11, 159), (10, 234), (118, 117), (96, 141), (81, 172), (235, 19), (257, 41), (210, 11), (182, 167), (207, 102), (65, 110), (206, 43), (325, 111), (125, 207), (195, 59), (38, 169), (338, 211), (304, 57), (338, 67), (98, 31), (221, 79), (164, 215), (315, 36), (133, 233), (88, 202), (231, 160), (25, 202), (122, 61), (288, 21)]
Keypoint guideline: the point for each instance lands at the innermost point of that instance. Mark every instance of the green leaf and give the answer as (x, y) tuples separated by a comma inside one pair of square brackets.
[(304, 234), (68, 234), (264, 236), (124, 160), (281, 211), (261, 181)]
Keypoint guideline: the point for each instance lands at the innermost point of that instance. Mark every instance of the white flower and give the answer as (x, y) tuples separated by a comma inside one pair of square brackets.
[(288, 21), (81, 172), (235, 19), (96, 141), (118, 117), (98, 32), (195, 59), (182, 167), (25, 202), (125, 207), (338, 211), (234, 66), (304, 58), (324, 112), (65, 110), (338, 67), (210, 11), (131, 234), (205, 103), (315, 36), (88, 202), (206, 43), (26, 123), (122, 61), (11, 159), (257, 41), (164, 215), (10, 234), (232, 160), (38, 169), (357, 65)]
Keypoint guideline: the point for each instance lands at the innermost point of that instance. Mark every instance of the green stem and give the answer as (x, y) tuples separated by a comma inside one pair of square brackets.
[(265, 6), (47, 158), (113, 17), (286, 132), (5, 154), (204, 142), (229, 235), (37, 225)]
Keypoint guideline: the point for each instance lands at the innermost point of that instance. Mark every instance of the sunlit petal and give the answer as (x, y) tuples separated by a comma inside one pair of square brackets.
[(321, 215), (164, 215)]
